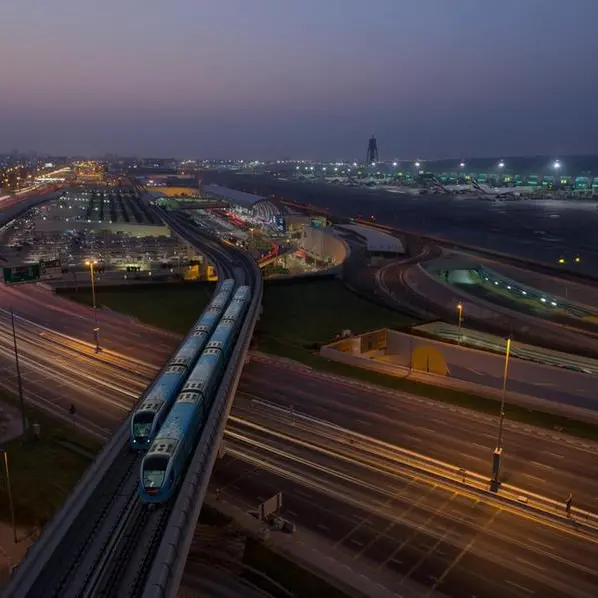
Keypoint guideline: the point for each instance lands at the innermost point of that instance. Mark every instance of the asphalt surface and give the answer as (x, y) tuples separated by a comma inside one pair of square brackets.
[(59, 365), (117, 332), (538, 461), (542, 230), (58, 372), (400, 522)]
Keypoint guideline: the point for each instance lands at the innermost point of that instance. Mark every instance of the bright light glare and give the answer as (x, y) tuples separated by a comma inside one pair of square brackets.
[(556, 164), (395, 164), (501, 164), (462, 165), (417, 165)]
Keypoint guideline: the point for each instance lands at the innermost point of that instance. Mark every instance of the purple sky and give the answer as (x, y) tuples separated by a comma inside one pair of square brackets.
[(300, 78)]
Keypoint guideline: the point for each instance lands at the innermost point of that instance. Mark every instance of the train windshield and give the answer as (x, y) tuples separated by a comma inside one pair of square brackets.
[(142, 424), (154, 469)]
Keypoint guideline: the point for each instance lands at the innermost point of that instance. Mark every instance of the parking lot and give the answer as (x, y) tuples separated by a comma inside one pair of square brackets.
[(109, 226)]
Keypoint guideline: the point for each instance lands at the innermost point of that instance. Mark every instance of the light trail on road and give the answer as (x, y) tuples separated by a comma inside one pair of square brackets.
[(401, 510)]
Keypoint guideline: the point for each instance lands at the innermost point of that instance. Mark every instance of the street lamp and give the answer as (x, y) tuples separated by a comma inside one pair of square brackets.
[(498, 451), (96, 328), (460, 311), (9, 491)]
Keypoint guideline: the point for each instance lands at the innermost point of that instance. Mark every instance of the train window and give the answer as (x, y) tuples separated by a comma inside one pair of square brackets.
[(154, 469), (142, 424)]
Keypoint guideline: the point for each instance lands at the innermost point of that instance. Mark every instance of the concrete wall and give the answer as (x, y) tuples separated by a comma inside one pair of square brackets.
[(376, 240), (488, 370), (324, 243)]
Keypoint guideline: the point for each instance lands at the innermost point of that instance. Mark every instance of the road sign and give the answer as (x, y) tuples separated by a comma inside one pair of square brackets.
[(22, 274), (50, 269), (270, 507)]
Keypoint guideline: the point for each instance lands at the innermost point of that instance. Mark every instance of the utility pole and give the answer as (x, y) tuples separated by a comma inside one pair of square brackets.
[(19, 380), (9, 490), (96, 328), (497, 456)]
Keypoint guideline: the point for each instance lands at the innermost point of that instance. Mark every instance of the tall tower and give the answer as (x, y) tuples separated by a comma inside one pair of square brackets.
[(372, 154)]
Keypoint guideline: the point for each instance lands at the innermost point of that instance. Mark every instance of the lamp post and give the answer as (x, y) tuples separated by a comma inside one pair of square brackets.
[(460, 311), (498, 451), (96, 328), (19, 379), (9, 491)]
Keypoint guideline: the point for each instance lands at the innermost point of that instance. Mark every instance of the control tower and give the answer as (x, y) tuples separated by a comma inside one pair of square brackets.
[(372, 153)]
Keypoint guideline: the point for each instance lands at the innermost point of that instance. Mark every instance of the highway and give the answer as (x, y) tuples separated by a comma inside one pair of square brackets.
[(104, 386), (540, 461), (118, 332), (58, 371), (536, 460), (422, 531)]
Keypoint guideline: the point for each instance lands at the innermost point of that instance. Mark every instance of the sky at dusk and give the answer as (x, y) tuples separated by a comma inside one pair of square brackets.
[(299, 78)]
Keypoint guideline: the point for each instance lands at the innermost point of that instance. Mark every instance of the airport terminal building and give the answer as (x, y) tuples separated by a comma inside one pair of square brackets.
[(574, 174)]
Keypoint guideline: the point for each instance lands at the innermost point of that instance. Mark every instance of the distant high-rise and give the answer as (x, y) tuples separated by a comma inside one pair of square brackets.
[(372, 155)]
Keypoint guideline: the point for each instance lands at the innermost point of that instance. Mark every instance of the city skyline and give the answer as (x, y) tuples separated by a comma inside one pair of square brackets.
[(310, 80)]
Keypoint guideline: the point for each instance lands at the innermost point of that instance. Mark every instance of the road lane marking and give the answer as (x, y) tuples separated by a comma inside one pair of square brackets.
[(302, 493), (555, 455), (530, 564), (480, 446), (463, 552), (543, 465), (544, 545), (414, 438), (516, 585), (533, 477)]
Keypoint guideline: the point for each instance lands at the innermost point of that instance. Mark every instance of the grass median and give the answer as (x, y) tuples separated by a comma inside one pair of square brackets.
[(42, 471), (300, 316)]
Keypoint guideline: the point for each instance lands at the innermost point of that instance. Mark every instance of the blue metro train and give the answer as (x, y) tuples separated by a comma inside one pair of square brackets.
[(151, 413), (164, 465)]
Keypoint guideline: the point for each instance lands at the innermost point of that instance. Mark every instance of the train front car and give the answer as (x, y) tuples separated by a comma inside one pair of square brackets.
[(151, 413), (165, 463), (149, 416)]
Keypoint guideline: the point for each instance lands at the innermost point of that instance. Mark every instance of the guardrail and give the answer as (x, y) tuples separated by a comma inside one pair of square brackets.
[(507, 494), (167, 571)]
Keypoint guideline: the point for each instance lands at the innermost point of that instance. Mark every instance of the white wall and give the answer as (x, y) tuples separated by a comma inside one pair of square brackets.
[(323, 243)]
